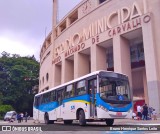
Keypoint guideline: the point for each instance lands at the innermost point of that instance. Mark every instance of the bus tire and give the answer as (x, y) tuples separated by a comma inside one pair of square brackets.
[(82, 120), (68, 122), (46, 119), (109, 122)]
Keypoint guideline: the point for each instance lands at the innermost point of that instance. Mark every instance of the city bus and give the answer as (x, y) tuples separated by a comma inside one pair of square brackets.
[(98, 96)]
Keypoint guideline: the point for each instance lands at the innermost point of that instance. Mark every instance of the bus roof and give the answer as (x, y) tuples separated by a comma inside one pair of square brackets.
[(77, 79)]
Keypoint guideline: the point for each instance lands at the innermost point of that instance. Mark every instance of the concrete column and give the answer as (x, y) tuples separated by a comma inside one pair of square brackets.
[(58, 30), (75, 65), (69, 70), (98, 59), (93, 58), (81, 65), (151, 66), (68, 22), (145, 87), (52, 76), (63, 70), (101, 58), (121, 54), (57, 75)]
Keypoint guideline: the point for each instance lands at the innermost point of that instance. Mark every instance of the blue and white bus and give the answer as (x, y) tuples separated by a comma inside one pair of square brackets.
[(98, 96)]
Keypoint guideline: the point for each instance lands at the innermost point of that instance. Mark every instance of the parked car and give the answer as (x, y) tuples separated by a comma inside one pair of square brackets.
[(10, 115)]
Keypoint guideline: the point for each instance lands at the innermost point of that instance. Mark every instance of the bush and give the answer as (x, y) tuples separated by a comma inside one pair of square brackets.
[(4, 109)]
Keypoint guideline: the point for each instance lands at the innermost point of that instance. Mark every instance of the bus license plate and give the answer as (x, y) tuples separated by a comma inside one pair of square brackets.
[(119, 113)]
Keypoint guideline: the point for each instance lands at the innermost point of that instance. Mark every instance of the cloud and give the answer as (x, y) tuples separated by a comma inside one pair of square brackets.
[(20, 43), (23, 24), (15, 47), (26, 15)]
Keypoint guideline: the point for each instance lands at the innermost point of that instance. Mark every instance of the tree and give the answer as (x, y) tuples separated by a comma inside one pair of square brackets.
[(5, 54), (4, 109), (18, 75)]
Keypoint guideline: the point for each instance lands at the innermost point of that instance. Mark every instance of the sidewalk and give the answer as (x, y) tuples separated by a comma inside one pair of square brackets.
[(137, 122)]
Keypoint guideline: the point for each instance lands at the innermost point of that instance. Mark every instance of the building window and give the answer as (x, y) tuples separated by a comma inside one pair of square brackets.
[(46, 88), (137, 55), (73, 17), (47, 76), (110, 61), (101, 1), (56, 32), (63, 26)]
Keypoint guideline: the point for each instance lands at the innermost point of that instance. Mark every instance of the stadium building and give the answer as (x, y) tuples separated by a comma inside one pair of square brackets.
[(114, 35)]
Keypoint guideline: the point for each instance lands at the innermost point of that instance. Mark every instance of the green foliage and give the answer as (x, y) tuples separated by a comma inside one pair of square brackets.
[(18, 76), (4, 109)]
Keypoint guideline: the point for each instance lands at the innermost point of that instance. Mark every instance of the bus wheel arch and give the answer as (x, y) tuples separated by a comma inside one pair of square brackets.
[(77, 113), (46, 119), (109, 122), (81, 117)]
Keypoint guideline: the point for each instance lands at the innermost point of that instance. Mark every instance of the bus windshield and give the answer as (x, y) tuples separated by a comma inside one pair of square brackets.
[(115, 90)]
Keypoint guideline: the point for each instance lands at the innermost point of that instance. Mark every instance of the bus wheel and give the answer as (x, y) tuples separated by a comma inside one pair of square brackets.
[(82, 120), (68, 121), (109, 122), (46, 118)]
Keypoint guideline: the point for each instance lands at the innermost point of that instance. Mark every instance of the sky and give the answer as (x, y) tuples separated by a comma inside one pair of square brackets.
[(24, 24)]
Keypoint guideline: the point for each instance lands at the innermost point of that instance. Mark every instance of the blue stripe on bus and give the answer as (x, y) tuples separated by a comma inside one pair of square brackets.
[(100, 102), (47, 107)]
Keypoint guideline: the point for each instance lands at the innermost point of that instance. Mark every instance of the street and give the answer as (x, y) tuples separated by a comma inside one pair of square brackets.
[(91, 127)]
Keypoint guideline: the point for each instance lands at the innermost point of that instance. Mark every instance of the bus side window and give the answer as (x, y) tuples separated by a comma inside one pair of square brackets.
[(63, 93), (37, 100), (69, 92), (81, 88), (46, 98), (53, 96), (60, 95)]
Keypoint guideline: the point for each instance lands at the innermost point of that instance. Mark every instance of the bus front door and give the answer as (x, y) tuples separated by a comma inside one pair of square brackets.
[(92, 92)]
